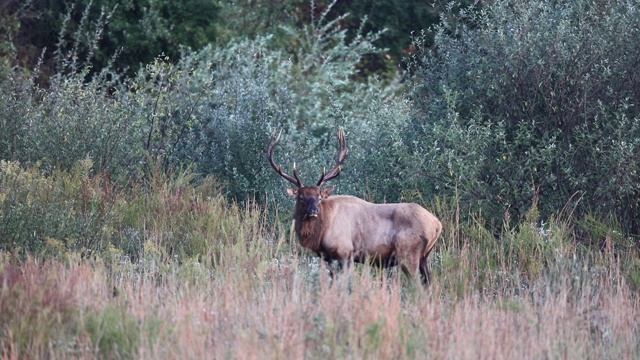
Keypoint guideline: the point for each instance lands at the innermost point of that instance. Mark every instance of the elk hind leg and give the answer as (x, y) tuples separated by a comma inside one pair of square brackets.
[(425, 274), (410, 268)]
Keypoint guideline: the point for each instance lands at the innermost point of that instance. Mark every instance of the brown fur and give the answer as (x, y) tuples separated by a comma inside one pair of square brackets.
[(346, 229), (310, 233), (350, 229)]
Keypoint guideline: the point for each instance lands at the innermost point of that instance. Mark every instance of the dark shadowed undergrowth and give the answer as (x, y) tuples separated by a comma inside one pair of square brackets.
[(171, 269)]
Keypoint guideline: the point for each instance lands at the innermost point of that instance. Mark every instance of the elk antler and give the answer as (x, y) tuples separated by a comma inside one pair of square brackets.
[(269, 152), (342, 155)]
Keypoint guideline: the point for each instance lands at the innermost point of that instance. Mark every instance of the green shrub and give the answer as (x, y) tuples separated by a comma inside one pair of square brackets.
[(216, 109), (70, 120), (213, 111), (66, 211), (532, 97)]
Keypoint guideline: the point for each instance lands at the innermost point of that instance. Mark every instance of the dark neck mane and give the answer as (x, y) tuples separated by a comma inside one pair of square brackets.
[(310, 232)]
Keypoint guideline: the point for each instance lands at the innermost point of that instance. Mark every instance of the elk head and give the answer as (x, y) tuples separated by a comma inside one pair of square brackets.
[(308, 198)]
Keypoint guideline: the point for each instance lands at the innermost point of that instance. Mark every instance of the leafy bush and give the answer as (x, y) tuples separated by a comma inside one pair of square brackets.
[(70, 121), (58, 116), (216, 108), (532, 97)]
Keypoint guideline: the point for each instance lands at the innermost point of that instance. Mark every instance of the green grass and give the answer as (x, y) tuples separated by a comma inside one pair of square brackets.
[(213, 279)]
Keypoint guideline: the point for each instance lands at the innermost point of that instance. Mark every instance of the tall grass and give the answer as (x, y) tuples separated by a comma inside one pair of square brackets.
[(280, 308), (218, 280)]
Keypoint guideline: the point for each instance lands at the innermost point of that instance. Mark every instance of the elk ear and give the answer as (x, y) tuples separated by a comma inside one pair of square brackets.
[(292, 192), (327, 192)]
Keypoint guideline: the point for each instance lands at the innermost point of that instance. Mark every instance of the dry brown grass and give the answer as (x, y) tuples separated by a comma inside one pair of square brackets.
[(288, 307)]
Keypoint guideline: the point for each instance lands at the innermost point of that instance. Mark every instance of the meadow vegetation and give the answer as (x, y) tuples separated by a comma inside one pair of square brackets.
[(211, 279), (139, 217)]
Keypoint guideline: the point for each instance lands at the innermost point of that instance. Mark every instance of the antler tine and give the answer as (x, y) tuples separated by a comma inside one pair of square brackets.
[(295, 173), (269, 152), (342, 155)]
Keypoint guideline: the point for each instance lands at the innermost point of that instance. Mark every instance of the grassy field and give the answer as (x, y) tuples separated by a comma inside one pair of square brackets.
[(212, 279)]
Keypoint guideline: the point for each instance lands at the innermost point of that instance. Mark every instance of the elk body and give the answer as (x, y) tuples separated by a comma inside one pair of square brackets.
[(346, 228)]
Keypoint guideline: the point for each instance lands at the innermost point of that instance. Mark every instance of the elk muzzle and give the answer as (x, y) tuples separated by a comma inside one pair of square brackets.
[(312, 212)]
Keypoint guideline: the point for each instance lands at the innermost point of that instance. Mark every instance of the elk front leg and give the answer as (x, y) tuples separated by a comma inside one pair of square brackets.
[(336, 265)]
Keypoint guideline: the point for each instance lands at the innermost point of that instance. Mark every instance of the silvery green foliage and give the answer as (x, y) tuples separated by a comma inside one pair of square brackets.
[(214, 110), (58, 116), (70, 120), (230, 100), (537, 99)]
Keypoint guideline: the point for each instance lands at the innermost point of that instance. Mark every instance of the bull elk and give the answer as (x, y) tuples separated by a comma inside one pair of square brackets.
[(347, 228)]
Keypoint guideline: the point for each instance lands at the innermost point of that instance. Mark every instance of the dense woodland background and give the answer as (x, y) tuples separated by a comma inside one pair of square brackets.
[(132, 137)]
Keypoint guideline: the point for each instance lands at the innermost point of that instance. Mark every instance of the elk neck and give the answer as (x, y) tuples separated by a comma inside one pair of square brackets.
[(310, 231)]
